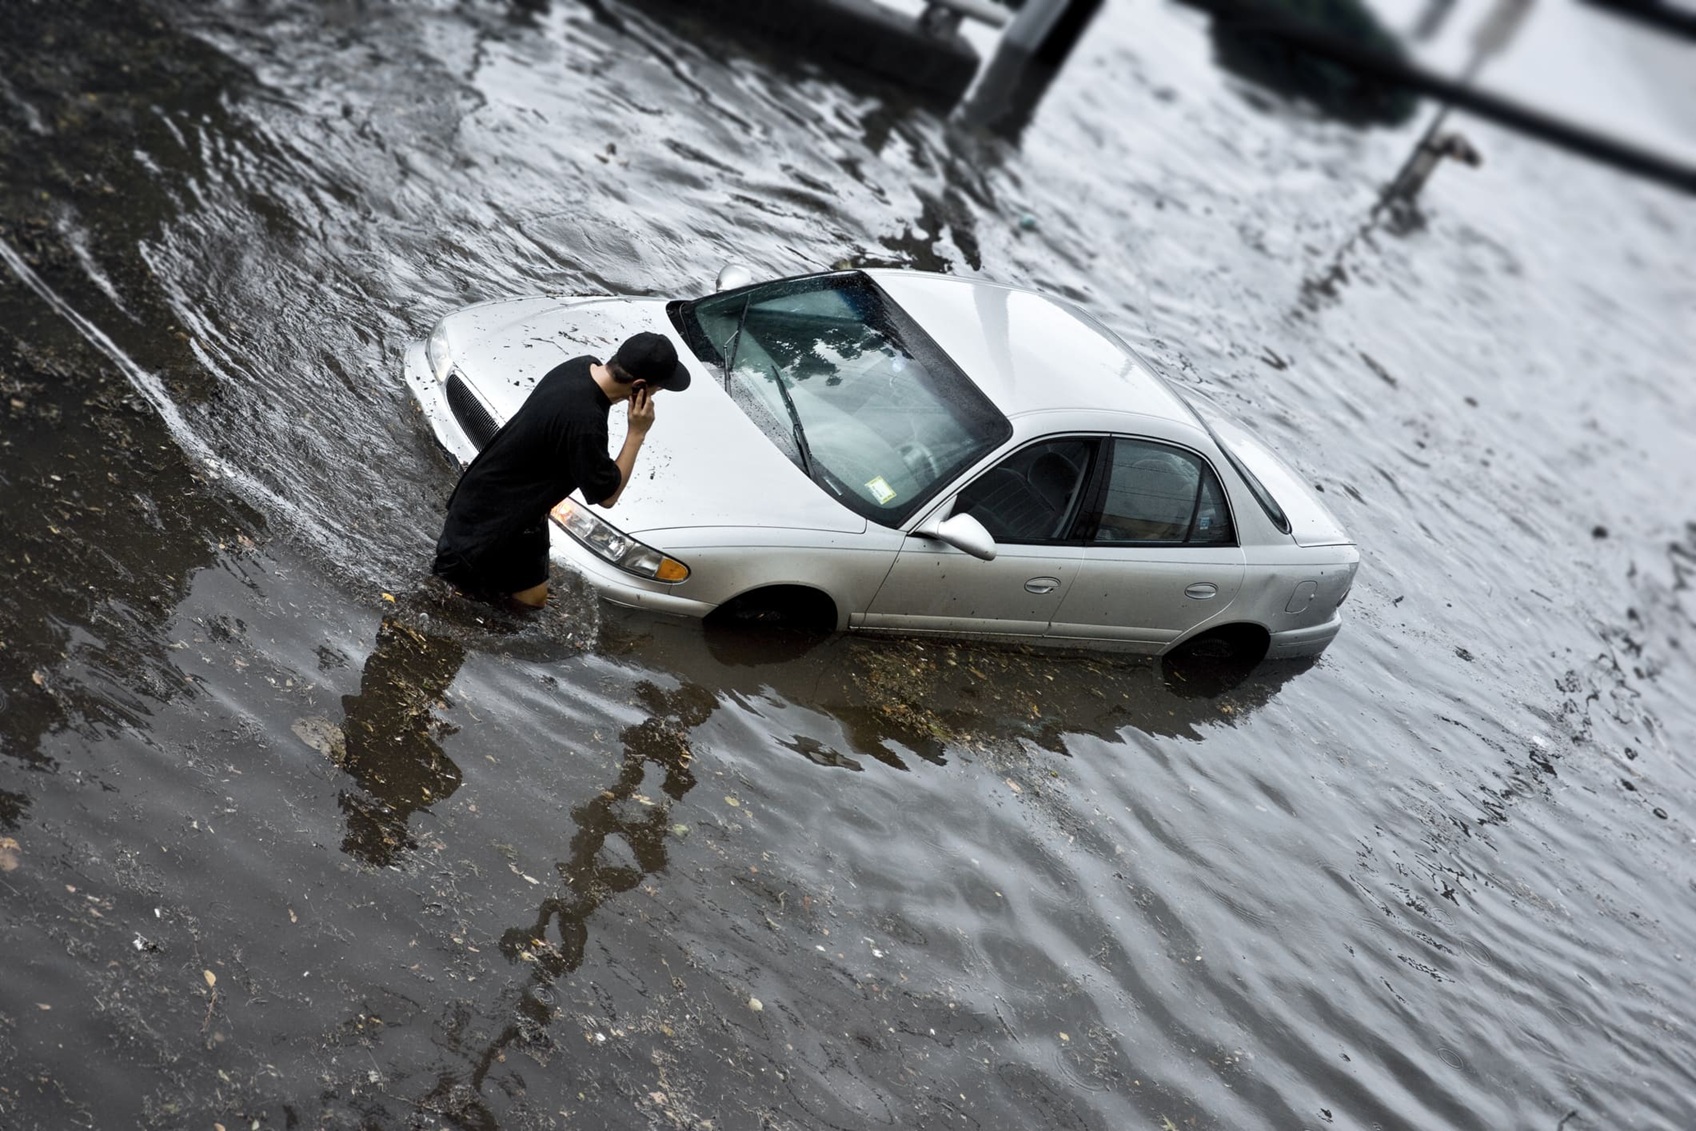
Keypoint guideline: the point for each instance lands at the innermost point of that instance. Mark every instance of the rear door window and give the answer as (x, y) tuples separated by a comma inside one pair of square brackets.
[(1155, 493)]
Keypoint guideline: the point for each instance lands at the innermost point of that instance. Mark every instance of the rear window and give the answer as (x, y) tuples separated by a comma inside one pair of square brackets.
[(1262, 496)]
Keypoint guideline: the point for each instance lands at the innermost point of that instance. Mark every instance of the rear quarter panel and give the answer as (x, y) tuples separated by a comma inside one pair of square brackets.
[(1274, 596)]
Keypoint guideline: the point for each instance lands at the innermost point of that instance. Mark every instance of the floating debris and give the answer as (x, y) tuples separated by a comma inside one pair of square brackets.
[(323, 736)]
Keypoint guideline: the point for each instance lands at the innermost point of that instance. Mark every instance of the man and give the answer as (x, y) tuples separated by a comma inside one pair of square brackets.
[(494, 544)]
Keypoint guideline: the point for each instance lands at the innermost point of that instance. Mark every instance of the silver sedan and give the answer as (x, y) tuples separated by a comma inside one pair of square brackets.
[(897, 451)]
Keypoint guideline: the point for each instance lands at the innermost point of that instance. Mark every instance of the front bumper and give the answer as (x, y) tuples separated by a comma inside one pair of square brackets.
[(433, 404), (618, 586), (612, 583)]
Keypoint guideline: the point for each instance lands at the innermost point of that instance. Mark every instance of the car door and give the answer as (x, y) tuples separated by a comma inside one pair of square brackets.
[(1161, 554), (1031, 503)]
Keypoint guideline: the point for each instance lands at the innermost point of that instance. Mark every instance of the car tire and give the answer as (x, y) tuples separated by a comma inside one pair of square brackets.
[(1213, 663), (789, 608)]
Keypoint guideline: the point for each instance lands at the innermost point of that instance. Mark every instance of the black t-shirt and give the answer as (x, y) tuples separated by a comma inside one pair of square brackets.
[(554, 444)]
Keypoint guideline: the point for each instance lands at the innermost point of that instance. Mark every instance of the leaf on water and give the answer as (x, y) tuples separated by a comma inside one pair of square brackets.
[(9, 850), (43, 1006), (389, 597), (211, 978), (1013, 785), (755, 1004), (39, 679), (732, 802), (293, 918)]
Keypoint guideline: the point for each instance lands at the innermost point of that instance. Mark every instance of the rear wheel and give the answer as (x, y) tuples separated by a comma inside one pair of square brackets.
[(1245, 643), (1216, 661)]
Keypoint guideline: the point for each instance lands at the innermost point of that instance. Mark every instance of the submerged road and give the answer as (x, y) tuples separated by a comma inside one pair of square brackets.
[(290, 839)]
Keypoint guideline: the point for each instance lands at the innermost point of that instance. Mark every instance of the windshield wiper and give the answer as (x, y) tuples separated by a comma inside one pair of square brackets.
[(795, 418), (735, 342), (799, 433)]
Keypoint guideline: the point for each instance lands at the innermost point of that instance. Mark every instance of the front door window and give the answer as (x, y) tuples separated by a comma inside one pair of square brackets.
[(1034, 495)]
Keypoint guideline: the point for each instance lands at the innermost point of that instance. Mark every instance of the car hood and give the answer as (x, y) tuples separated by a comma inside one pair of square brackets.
[(704, 464)]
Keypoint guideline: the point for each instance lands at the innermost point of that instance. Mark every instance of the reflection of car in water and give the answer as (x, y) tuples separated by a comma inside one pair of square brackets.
[(906, 452), (892, 698)]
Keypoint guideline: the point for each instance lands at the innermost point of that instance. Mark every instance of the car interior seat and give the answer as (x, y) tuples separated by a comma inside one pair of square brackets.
[(1024, 504), (1054, 477), (1003, 501)]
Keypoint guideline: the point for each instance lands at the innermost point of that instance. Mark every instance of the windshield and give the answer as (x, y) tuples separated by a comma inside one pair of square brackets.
[(848, 386)]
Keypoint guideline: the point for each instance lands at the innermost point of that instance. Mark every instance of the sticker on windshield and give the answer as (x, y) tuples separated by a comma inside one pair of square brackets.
[(880, 489)]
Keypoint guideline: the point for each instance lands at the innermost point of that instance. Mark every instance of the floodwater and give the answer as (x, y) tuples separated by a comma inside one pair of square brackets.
[(290, 839)]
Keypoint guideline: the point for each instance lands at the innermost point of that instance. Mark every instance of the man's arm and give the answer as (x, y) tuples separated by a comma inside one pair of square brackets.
[(641, 419)]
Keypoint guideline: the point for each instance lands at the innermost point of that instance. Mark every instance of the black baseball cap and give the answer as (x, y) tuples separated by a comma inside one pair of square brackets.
[(652, 358)]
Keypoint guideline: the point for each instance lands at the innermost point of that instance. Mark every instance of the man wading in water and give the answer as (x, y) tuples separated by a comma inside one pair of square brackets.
[(494, 545)]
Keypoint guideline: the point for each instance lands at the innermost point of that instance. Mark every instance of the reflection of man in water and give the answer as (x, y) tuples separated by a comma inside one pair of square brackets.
[(494, 544), (390, 740)]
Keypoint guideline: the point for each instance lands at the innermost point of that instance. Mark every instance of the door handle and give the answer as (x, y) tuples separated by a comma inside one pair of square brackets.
[(1042, 585), (1202, 590)]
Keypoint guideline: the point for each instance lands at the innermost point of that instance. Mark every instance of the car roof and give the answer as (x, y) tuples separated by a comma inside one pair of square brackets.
[(1029, 352)]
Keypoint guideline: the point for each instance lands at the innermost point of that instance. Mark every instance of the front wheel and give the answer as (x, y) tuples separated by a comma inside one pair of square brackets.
[(768, 626), (791, 608)]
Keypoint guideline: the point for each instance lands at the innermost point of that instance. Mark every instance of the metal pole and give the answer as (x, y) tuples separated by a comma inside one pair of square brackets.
[(1031, 50), (1491, 38), (1515, 115)]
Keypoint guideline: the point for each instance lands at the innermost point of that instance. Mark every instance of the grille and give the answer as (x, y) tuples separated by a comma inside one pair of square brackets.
[(470, 413)]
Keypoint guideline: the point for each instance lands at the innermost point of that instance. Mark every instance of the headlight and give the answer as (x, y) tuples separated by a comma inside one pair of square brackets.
[(437, 352), (613, 545)]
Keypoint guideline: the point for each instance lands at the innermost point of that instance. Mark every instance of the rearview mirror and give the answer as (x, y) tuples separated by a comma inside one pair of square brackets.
[(963, 532), (732, 276)]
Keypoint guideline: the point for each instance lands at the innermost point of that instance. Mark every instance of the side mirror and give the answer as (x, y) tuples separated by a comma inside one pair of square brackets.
[(732, 276), (963, 532)]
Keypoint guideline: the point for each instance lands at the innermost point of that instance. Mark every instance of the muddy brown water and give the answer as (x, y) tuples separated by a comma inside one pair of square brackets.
[(290, 839)]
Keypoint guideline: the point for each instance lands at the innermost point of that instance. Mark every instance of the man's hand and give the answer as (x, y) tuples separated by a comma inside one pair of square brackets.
[(641, 412), (641, 419)]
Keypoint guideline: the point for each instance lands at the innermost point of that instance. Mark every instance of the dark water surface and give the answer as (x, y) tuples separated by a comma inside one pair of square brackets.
[(288, 839)]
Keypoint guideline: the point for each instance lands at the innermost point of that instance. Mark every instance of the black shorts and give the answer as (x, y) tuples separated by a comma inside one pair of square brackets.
[(512, 566)]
